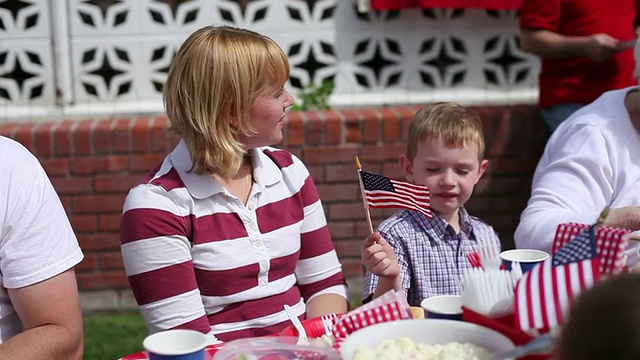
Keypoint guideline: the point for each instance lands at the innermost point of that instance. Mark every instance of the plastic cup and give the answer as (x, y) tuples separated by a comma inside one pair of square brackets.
[(176, 345), (442, 307), (528, 258)]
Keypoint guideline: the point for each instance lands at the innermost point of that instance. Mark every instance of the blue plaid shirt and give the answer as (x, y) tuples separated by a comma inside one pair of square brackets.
[(432, 257)]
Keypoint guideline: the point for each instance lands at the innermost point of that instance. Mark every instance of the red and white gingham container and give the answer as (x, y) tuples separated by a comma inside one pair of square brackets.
[(390, 306)]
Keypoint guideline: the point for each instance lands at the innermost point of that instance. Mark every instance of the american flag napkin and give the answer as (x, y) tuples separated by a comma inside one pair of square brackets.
[(611, 243), (543, 295)]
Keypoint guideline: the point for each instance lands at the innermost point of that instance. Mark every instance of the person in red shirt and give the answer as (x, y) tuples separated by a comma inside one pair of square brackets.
[(586, 48)]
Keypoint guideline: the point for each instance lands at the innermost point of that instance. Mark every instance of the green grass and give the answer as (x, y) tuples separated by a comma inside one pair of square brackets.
[(355, 302), (114, 335), (111, 336)]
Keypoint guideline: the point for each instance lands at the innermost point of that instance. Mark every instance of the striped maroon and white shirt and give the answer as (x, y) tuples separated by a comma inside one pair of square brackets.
[(198, 258)]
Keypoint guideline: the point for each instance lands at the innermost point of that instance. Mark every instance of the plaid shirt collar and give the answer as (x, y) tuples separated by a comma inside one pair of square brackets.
[(438, 228)]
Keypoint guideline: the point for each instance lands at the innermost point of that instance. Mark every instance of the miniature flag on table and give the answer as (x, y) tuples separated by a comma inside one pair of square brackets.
[(383, 192), (542, 295), (612, 244)]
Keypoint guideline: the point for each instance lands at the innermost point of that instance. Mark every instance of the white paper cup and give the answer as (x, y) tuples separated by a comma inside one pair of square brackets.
[(443, 307), (176, 345), (528, 258)]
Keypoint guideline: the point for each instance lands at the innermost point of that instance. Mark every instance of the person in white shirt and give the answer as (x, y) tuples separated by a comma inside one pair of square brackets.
[(591, 161), (40, 314)]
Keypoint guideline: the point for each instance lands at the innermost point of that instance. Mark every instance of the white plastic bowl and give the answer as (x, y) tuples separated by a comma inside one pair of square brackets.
[(427, 331)]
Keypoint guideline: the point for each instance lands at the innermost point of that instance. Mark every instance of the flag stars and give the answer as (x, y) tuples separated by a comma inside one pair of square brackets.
[(582, 247), (374, 182)]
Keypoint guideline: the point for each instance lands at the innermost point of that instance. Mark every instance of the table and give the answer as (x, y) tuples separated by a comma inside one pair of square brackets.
[(142, 355)]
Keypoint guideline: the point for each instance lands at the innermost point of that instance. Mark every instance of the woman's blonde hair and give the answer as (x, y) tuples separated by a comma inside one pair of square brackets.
[(456, 125), (216, 75)]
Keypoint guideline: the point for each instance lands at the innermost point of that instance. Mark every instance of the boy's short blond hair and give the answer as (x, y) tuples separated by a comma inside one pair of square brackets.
[(216, 74), (455, 124)]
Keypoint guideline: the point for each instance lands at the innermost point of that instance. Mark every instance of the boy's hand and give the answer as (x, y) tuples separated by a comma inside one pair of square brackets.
[(378, 256)]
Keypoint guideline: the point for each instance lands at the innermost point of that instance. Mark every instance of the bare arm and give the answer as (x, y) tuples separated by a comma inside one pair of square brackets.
[(326, 304), (52, 319), (549, 44)]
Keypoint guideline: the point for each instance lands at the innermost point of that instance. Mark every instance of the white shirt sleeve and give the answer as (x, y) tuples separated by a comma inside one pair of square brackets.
[(572, 183), (36, 239)]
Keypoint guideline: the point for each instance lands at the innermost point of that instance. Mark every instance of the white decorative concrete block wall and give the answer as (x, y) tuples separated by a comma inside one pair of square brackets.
[(76, 58)]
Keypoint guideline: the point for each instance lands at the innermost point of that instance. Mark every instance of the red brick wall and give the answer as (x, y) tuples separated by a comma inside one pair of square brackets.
[(92, 164)]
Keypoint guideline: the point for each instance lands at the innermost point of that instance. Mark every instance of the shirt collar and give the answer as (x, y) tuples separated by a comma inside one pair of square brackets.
[(265, 172), (438, 226), (465, 221)]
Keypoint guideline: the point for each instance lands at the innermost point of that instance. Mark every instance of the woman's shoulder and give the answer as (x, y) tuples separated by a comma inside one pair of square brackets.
[(288, 164), (160, 189), (281, 157), (602, 116)]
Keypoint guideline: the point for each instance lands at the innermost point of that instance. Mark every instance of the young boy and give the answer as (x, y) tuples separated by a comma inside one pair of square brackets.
[(423, 257)]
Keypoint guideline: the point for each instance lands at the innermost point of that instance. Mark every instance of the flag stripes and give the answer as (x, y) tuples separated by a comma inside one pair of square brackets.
[(611, 242), (383, 192), (543, 295)]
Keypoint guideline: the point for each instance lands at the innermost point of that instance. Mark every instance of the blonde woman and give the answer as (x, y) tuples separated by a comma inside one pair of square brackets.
[(227, 229)]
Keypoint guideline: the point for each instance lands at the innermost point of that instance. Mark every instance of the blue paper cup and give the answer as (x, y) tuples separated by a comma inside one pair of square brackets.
[(528, 258), (442, 307), (176, 345)]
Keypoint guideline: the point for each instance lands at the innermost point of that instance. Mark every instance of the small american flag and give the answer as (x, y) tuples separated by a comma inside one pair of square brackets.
[(612, 244), (543, 295), (383, 192)]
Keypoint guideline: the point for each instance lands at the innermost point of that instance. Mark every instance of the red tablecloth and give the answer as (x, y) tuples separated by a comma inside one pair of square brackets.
[(142, 355)]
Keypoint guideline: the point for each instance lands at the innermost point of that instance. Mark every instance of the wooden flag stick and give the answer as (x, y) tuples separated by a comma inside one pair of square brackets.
[(364, 198), (603, 216)]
